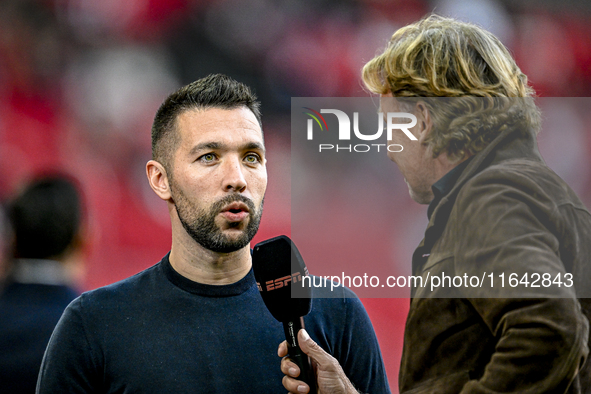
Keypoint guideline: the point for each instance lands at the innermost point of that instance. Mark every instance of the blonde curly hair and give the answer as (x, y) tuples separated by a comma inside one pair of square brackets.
[(443, 57)]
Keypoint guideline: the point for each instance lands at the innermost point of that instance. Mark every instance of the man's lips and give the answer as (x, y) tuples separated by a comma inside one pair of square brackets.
[(235, 211)]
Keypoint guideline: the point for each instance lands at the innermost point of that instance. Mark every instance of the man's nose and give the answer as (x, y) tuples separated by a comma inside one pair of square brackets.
[(234, 179)]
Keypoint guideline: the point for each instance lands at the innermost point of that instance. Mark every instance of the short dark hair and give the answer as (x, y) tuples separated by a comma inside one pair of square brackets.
[(45, 217), (213, 91)]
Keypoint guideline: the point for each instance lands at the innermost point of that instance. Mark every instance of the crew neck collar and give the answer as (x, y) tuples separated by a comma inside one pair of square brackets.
[(206, 290)]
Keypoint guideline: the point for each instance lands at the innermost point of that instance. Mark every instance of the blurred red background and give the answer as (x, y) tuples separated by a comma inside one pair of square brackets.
[(80, 82)]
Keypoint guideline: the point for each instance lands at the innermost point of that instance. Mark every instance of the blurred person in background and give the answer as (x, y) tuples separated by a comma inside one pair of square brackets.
[(195, 322), (5, 241), (41, 278), (494, 207)]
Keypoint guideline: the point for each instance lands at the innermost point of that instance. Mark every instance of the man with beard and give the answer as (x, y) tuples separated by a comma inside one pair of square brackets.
[(195, 322), (494, 209)]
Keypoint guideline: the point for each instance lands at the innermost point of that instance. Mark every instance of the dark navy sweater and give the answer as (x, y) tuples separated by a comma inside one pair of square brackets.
[(159, 332)]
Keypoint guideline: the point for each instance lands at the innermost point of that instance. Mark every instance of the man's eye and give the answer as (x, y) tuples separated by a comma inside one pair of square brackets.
[(207, 158), (252, 159)]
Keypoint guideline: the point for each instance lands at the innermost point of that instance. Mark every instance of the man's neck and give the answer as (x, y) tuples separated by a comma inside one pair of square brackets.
[(201, 265), (445, 184), (443, 165), (436, 169)]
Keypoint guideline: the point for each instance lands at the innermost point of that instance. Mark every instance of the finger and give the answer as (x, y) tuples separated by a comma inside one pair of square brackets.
[(311, 348), (295, 386), (329, 370), (288, 367), (282, 349)]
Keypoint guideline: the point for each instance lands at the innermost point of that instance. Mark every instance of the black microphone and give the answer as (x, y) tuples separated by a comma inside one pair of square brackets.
[(279, 271)]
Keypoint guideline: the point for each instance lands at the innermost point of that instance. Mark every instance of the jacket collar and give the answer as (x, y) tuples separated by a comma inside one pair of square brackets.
[(511, 143), (444, 185)]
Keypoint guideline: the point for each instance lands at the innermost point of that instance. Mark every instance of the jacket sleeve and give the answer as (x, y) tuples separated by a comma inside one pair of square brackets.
[(69, 365), (507, 225)]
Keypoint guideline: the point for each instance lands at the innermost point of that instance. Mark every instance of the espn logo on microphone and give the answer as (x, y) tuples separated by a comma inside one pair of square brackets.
[(283, 281)]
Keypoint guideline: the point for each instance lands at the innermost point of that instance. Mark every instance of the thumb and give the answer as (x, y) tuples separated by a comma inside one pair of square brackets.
[(330, 376), (312, 349)]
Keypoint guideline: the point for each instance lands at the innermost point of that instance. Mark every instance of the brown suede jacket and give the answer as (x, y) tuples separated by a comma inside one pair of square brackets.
[(508, 213)]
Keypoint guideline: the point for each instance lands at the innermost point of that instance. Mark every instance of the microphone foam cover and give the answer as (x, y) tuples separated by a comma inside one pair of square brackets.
[(279, 270)]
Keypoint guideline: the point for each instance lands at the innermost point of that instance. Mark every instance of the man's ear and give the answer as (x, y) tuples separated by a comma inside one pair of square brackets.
[(158, 179), (424, 121)]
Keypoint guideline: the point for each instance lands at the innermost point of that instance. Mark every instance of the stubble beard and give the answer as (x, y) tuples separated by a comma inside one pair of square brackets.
[(423, 198), (200, 223)]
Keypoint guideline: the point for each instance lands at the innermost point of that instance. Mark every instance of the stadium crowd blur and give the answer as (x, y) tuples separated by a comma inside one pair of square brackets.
[(80, 82)]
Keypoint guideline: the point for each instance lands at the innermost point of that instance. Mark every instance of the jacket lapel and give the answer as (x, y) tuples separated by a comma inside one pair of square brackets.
[(511, 143)]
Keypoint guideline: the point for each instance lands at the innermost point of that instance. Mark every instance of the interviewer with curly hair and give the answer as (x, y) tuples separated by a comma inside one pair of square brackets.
[(494, 207)]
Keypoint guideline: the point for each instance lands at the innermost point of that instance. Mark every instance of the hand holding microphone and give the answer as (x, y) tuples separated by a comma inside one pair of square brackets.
[(330, 376), (279, 269)]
